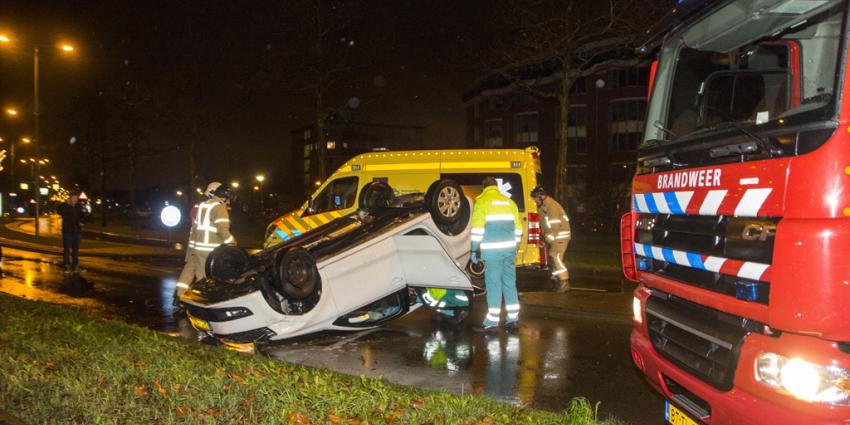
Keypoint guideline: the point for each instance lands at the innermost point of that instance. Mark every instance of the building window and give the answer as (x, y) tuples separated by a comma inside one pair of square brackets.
[(579, 86), (633, 77), (307, 134), (576, 130), (621, 172), (577, 187), (306, 151), (626, 118), (525, 128), (493, 134)]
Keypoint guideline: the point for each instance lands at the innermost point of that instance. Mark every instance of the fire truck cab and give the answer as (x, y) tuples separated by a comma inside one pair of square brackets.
[(739, 231)]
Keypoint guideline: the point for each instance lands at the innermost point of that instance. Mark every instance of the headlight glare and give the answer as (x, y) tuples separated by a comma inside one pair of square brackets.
[(804, 380)]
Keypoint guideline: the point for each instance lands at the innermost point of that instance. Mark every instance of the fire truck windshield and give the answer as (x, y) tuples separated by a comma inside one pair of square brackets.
[(758, 64)]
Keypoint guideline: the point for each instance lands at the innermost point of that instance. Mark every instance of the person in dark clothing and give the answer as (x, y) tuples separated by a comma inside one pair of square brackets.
[(73, 218)]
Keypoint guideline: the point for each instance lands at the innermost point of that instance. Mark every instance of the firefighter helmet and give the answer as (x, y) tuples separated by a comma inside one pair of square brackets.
[(211, 189)]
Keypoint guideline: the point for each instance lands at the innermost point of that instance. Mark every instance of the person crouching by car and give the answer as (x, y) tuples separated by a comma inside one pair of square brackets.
[(73, 218)]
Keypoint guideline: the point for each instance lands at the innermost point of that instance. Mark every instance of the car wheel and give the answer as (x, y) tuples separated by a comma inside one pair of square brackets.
[(376, 195), (446, 201), (226, 262), (296, 275)]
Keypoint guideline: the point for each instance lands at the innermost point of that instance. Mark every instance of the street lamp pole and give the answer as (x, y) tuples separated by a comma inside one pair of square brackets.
[(37, 139)]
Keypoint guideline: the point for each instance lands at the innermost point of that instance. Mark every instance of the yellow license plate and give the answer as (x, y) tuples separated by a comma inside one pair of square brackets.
[(201, 325), (675, 416)]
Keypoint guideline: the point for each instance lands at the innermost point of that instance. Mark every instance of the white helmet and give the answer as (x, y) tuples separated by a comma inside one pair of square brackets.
[(211, 188)]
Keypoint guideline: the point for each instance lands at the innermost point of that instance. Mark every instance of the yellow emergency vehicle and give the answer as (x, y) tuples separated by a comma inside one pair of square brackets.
[(445, 176)]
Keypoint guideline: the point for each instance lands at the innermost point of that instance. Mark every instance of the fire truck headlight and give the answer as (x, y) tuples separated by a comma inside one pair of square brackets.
[(636, 310), (804, 380)]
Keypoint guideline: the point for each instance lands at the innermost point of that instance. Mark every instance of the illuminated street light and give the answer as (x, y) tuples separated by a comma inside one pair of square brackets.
[(261, 178), (23, 161), (26, 139), (179, 193), (234, 184), (12, 112), (256, 188), (66, 47)]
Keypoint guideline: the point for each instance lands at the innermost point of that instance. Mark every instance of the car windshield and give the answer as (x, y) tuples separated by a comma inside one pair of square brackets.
[(749, 62), (337, 195)]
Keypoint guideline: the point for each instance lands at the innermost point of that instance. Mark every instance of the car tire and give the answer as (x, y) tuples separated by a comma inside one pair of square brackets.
[(446, 201), (296, 275), (375, 196), (226, 262)]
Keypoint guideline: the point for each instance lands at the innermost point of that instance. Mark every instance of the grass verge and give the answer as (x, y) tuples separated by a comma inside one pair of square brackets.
[(59, 365), (596, 253)]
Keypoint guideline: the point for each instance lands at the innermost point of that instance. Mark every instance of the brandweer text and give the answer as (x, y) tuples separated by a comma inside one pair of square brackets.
[(701, 178)]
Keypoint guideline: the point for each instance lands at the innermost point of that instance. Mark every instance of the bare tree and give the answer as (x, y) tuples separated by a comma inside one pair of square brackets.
[(545, 46)]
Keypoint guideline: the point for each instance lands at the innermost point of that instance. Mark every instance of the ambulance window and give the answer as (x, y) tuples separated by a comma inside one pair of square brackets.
[(337, 195)]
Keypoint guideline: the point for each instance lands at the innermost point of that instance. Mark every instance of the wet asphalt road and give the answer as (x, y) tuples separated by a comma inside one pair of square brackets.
[(542, 365)]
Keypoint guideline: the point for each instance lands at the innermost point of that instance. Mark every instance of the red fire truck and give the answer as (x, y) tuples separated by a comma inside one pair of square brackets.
[(739, 231)]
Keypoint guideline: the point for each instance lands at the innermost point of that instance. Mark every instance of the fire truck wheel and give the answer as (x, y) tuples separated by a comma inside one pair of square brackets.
[(226, 262), (295, 274), (376, 195), (448, 206)]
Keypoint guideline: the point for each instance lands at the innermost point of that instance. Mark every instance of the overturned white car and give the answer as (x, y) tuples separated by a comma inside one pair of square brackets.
[(356, 272)]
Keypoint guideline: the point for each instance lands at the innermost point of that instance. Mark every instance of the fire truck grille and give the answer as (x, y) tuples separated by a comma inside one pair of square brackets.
[(704, 342), (742, 239)]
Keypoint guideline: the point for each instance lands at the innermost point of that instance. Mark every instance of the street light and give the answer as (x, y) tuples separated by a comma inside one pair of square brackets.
[(12, 112), (5, 39), (261, 178), (234, 184)]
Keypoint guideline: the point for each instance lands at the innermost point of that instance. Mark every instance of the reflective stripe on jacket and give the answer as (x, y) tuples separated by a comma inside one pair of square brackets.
[(495, 222), (211, 226), (554, 221)]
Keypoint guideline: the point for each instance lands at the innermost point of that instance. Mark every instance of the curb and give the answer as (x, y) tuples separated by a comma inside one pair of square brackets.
[(561, 312), (41, 249)]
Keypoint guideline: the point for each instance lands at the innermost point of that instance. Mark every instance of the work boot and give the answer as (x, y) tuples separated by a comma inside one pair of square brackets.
[(481, 329), (67, 270), (562, 286), (512, 326)]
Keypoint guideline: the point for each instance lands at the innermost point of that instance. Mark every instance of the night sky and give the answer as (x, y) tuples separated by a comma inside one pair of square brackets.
[(236, 77)]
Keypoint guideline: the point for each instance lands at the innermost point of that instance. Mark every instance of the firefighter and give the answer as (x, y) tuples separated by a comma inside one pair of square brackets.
[(556, 233), (210, 228), (496, 231)]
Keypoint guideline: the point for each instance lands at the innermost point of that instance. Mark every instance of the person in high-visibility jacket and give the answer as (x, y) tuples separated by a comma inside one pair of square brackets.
[(451, 303), (555, 226), (210, 228), (496, 231)]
